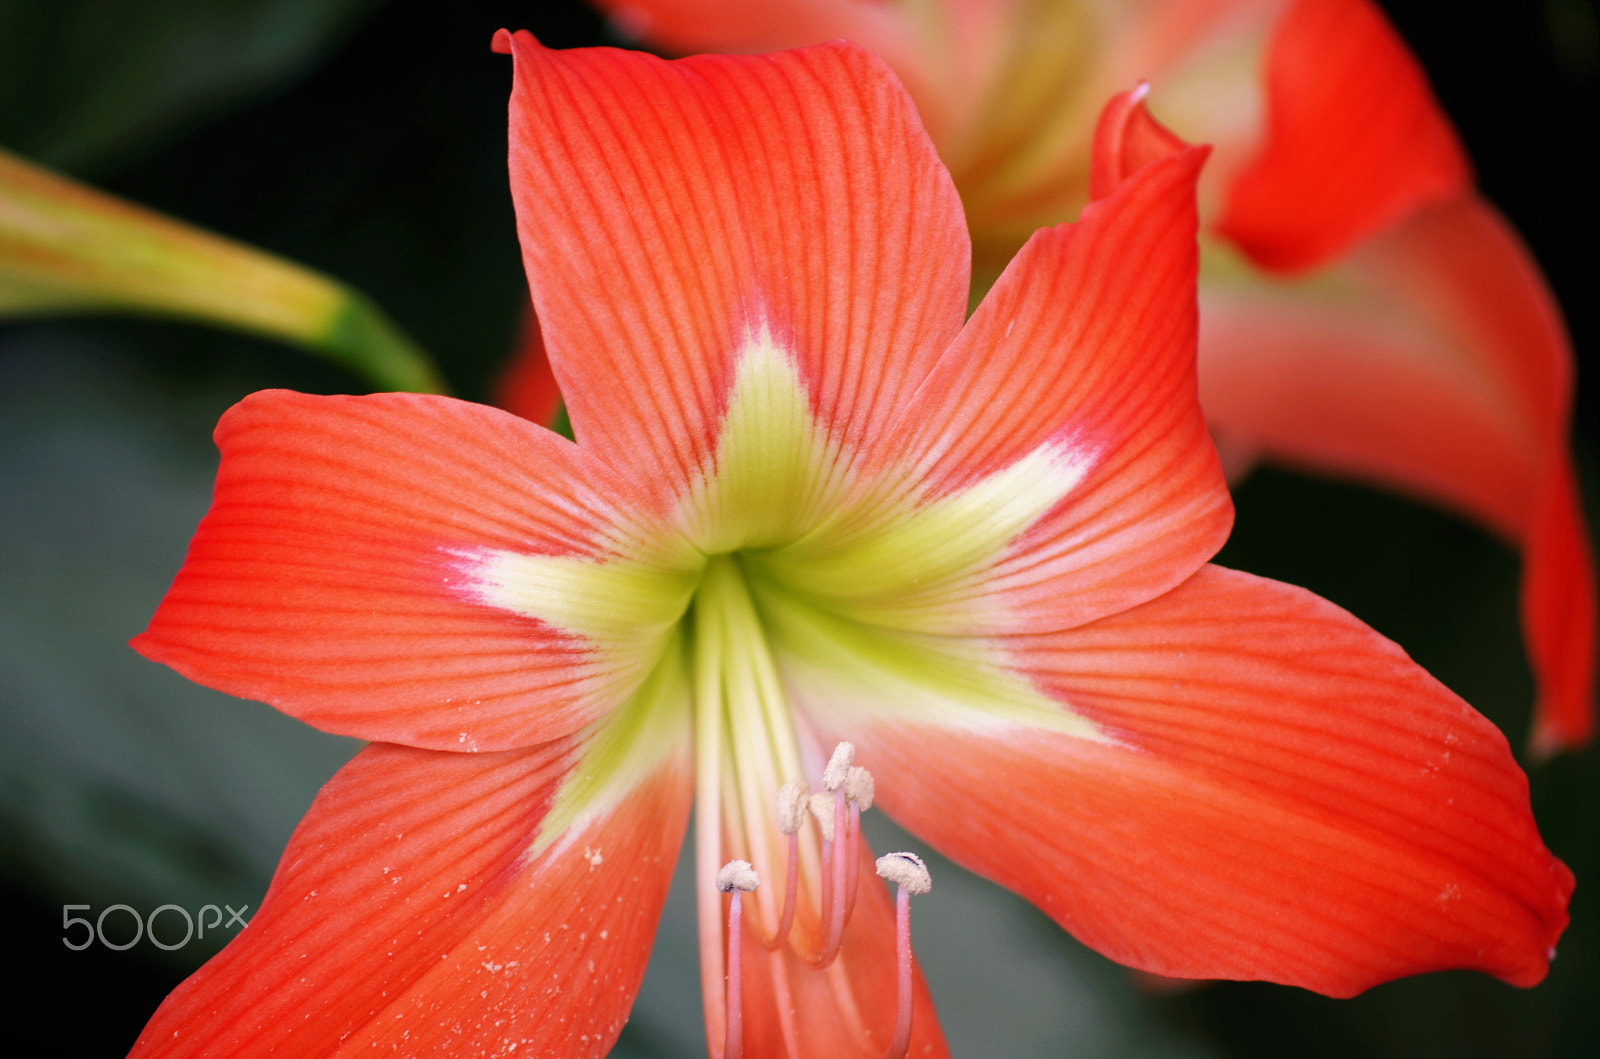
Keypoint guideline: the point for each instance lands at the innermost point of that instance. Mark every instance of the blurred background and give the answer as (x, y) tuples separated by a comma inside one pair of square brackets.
[(367, 139)]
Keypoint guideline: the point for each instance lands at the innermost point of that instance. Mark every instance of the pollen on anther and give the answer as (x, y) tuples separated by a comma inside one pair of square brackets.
[(907, 870), (792, 799), (844, 755), (859, 787), (737, 875), (822, 809)]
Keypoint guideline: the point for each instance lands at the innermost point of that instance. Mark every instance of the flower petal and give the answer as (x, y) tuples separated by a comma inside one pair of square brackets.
[(1009, 91), (1127, 139), (337, 574), (1285, 796), (948, 55), (413, 912), (1432, 360), (1083, 355), (671, 214), (1558, 614), (1355, 139)]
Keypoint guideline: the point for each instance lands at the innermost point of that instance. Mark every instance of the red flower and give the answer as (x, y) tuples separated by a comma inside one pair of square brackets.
[(1383, 323), (809, 503)]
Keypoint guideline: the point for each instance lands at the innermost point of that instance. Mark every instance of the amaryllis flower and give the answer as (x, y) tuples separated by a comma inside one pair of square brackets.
[(810, 504), (1364, 312)]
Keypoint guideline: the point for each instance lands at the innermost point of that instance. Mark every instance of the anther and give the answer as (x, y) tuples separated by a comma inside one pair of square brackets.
[(735, 878), (906, 871), (859, 787), (793, 798), (737, 875), (844, 755)]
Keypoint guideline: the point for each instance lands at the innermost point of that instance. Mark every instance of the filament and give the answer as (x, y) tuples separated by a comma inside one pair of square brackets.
[(735, 879), (908, 872)]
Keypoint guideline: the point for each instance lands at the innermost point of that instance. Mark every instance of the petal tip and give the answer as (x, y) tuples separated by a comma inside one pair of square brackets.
[(1127, 139), (150, 645)]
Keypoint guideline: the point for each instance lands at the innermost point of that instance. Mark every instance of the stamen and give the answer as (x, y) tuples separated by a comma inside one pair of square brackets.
[(859, 789), (844, 755), (839, 818), (839, 857), (907, 871), (828, 811), (821, 806), (793, 798), (735, 878)]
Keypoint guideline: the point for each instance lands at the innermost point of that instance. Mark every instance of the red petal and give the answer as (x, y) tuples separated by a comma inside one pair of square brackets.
[(1355, 139), (1558, 614), (1286, 796), (1433, 360), (328, 578), (407, 917), (527, 387), (1086, 345), (1126, 140), (792, 1011), (950, 56), (672, 213)]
